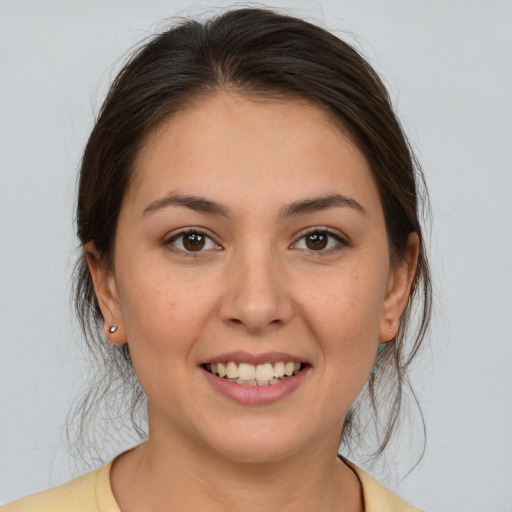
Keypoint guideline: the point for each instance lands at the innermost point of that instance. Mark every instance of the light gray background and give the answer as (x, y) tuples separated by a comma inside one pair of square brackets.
[(448, 66)]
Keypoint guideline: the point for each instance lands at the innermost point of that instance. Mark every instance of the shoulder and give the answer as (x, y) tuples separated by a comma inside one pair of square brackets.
[(377, 497), (87, 493)]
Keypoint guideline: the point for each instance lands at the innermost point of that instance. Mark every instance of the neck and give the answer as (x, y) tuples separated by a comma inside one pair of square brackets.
[(163, 475)]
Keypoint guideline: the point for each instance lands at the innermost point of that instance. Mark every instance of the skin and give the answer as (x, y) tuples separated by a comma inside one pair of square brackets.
[(257, 287)]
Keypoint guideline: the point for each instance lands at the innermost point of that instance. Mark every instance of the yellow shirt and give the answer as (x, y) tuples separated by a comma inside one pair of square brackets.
[(92, 493)]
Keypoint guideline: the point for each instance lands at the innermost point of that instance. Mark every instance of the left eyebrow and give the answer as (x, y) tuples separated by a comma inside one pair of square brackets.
[(321, 203), (196, 203)]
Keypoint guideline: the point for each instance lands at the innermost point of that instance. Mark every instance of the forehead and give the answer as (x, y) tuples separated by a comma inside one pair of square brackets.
[(234, 147)]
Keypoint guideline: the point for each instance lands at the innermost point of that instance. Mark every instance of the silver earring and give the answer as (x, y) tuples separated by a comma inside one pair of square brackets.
[(112, 329)]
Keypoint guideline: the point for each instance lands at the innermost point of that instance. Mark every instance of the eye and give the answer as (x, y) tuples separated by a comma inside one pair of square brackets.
[(192, 240), (320, 240)]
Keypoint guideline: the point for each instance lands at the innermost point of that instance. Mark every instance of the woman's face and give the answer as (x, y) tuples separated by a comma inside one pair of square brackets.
[(252, 235)]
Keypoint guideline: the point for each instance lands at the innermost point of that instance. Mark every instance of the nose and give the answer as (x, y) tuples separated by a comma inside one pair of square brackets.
[(255, 294)]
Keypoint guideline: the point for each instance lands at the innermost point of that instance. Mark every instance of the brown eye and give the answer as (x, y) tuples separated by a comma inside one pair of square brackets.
[(194, 241), (322, 241), (316, 241)]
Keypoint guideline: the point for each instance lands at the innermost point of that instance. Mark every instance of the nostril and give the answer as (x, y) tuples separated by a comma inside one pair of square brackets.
[(235, 321)]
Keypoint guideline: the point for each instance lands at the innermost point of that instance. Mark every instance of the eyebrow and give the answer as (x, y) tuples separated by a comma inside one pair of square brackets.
[(196, 203), (321, 203), (208, 207)]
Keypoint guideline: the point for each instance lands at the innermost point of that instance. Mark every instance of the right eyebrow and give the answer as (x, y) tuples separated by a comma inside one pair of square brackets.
[(196, 203), (315, 204)]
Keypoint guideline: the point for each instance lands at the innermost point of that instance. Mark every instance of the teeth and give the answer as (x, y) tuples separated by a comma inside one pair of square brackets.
[(232, 370), (221, 369), (264, 371), (288, 368), (279, 370), (261, 375), (246, 371), (246, 382)]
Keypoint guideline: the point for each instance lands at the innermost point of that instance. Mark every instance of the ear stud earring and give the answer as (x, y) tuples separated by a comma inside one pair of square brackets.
[(112, 329)]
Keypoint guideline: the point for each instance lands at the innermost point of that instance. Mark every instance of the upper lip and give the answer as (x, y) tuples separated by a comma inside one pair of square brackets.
[(255, 359)]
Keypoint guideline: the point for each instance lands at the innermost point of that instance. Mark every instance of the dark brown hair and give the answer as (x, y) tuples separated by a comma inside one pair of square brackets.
[(253, 52)]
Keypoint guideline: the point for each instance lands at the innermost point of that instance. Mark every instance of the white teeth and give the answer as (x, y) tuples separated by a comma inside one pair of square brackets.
[(221, 369), (246, 371), (232, 370), (256, 382), (288, 368), (261, 375), (264, 372), (279, 369), (246, 382)]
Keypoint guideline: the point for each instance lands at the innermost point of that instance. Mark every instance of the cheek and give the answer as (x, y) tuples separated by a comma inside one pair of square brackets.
[(345, 319), (164, 318), (164, 315), (348, 305)]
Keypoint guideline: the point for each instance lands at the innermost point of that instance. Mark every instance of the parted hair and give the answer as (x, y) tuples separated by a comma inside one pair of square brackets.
[(264, 54)]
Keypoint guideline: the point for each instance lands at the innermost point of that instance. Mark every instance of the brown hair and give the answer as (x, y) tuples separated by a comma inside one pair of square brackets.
[(254, 52)]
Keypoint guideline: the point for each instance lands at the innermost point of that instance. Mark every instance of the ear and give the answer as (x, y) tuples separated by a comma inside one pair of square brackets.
[(399, 286), (106, 292)]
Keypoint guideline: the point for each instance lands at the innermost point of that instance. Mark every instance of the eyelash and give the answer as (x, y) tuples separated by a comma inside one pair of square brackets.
[(341, 243)]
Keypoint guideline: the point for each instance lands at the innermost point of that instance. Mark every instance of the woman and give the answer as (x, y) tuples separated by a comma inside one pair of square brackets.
[(248, 211)]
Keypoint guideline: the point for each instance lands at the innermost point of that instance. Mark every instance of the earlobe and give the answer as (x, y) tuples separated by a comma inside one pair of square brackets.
[(399, 286), (106, 293)]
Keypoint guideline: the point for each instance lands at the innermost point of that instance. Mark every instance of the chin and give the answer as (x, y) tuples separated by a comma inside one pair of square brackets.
[(257, 445)]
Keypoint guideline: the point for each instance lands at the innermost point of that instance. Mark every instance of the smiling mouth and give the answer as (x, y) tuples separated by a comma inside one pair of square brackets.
[(246, 374)]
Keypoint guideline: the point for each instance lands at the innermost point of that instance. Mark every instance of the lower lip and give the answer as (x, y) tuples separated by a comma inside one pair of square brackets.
[(256, 395)]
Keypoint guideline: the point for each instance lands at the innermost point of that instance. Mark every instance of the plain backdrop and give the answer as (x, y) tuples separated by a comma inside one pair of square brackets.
[(448, 66)]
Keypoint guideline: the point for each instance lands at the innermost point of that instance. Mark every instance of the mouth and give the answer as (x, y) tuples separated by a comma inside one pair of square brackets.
[(245, 374)]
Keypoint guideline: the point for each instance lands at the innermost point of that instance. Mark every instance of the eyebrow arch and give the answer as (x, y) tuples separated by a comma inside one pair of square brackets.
[(321, 203), (196, 203)]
